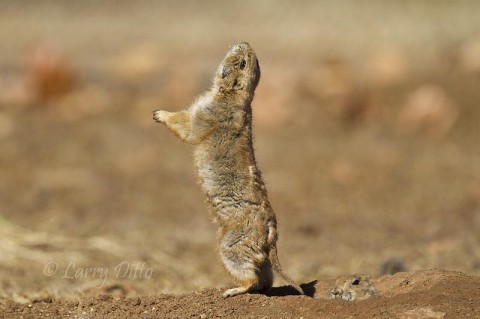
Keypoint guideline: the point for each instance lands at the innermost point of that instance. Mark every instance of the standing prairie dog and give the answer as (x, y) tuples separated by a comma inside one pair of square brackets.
[(219, 126)]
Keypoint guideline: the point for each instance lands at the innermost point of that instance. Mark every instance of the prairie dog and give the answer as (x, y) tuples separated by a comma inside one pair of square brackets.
[(219, 126), (353, 288)]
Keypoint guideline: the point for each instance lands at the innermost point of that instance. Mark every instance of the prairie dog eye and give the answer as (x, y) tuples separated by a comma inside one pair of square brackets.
[(243, 64)]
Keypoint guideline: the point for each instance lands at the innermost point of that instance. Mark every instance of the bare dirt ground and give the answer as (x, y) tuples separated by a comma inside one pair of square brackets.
[(424, 294), (366, 131)]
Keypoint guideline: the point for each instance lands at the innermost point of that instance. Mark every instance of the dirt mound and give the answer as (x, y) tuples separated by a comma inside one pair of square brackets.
[(421, 294)]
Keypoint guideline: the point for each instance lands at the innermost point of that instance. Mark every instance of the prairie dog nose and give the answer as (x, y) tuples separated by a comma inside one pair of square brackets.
[(242, 46)]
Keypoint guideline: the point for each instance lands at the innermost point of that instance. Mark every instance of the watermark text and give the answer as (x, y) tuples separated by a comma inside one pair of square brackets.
[(73, 271)]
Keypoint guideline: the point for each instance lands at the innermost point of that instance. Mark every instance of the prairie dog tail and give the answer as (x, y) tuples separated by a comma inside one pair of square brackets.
[(279, 271), (277, 268)]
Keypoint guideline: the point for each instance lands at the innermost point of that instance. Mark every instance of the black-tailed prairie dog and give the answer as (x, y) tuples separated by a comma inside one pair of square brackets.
[(219, 126), (353, 288)]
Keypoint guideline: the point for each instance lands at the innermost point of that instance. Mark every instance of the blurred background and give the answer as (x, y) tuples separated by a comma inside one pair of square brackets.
[(366, 124)]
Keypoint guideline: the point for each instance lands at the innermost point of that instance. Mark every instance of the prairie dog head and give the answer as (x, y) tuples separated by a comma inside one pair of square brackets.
[(239, 71)]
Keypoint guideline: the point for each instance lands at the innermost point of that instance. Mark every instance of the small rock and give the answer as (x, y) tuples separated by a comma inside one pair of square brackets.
[(423, 313), (136, 302), (387, 66), (49, 72), (362, 107), (428, 109)]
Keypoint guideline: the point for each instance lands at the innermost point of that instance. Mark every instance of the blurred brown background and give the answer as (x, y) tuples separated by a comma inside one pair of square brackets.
[(366, 130)]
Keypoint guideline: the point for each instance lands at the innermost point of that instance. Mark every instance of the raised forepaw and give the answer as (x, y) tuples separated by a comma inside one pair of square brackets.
[(160, 116)]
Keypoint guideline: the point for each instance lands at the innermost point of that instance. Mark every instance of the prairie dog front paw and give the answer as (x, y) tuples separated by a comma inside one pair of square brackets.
[(160, 116)]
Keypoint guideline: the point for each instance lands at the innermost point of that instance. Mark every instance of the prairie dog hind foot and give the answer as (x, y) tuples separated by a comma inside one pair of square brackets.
[(236, 291)]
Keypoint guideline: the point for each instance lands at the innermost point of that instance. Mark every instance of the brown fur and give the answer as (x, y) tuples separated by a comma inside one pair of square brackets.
[(353, 288), (219, 126)]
